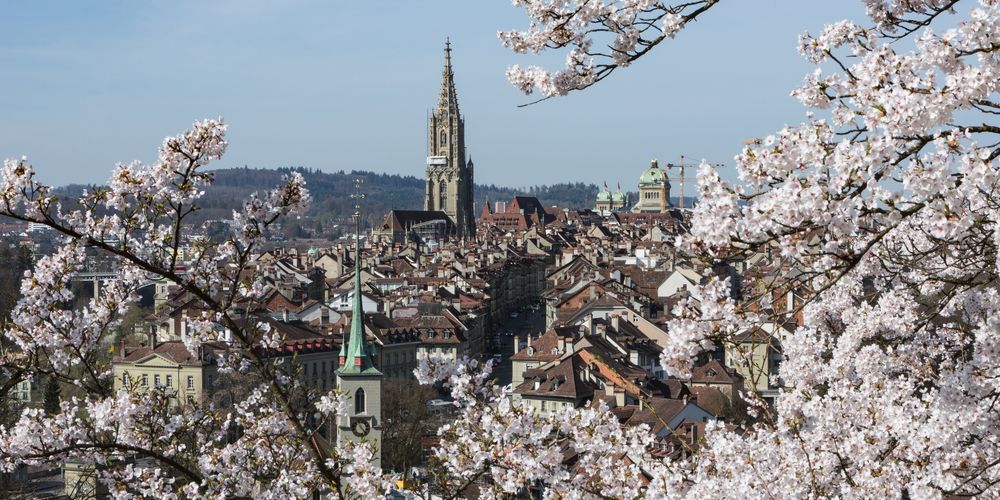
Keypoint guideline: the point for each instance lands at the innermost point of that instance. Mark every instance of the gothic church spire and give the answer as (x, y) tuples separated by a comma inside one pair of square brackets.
[(447, 98), (449, 177), (355, 356)]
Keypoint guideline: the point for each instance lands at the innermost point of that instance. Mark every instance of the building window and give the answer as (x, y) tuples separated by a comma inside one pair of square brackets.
[(170, 380), (156, 380), (190, 382), (125, 378), (145, 380), (444, 138), (545, 405), (359, 401), (443, 196)]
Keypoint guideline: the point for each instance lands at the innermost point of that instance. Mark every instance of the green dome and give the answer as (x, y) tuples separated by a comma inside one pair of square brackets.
[(653, 174), (618, 196), (604, 195)]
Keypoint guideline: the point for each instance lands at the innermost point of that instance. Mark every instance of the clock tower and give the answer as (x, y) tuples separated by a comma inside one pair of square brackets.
[(357, 376)]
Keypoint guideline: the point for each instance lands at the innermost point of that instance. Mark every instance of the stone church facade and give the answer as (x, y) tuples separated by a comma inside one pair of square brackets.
[(449, 176)]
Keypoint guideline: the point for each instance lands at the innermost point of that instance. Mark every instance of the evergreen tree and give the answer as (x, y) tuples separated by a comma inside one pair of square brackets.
[(52, 392)]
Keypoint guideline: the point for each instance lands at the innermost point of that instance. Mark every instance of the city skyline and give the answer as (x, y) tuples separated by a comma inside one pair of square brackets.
[(318, 91)]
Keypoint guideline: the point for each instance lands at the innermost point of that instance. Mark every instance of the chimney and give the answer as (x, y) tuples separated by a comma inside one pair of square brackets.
[(152, 337), (517, 343), (561, 344), (121, 353), (324, 315), (615, 321), (284, 315)]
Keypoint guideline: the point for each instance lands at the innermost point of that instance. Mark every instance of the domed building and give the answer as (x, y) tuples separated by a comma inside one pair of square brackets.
[(654, 190), (603, 200), (619, 200), (608, 202)]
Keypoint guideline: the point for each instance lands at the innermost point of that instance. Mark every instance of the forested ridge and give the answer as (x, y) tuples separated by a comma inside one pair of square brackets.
[(383, 192)]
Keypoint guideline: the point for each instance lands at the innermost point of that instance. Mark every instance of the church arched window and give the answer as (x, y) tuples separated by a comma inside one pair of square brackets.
[(359, 401), (444, 138), (443, 196)]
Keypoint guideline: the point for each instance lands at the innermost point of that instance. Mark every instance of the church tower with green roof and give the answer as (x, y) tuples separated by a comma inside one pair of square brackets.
[(357, 376)]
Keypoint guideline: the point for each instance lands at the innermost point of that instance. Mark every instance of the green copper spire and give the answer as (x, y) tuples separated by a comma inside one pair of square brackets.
[(354, 353)]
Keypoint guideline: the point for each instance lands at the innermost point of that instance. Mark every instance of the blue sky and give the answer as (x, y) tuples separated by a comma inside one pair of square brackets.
[(347, 85)]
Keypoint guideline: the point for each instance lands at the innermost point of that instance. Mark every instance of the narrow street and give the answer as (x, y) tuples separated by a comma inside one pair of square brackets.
[(527, 323)]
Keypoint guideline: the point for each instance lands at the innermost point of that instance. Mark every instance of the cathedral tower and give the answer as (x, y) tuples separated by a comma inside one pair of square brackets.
[(449, 176)]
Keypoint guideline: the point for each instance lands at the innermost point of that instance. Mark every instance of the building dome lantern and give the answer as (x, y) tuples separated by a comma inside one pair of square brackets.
[(653, 174)]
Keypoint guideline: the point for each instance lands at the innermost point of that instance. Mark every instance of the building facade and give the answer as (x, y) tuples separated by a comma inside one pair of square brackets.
[(654, 190), (449, 176), (608, 202)]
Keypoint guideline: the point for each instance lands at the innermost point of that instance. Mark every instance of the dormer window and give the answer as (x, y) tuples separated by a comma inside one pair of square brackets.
[(710, 373)]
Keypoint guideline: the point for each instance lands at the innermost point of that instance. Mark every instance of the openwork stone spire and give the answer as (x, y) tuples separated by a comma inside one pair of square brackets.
[(447, 98)]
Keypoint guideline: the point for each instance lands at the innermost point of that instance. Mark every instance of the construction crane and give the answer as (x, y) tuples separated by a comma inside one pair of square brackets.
[(680, 179)]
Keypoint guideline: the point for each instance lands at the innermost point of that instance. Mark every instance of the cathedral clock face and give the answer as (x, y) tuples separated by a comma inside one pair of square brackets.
[(361, 427)]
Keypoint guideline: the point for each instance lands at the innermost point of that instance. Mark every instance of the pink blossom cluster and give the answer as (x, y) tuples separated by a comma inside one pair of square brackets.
[(142, 442), (627, 29)]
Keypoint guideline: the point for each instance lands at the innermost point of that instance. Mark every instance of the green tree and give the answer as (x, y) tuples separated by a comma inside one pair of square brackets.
[(406, 419), (52, 393), (216, 231)]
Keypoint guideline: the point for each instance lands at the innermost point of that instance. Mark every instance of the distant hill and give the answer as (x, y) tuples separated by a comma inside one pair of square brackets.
[(331, 192), (383, 192)]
